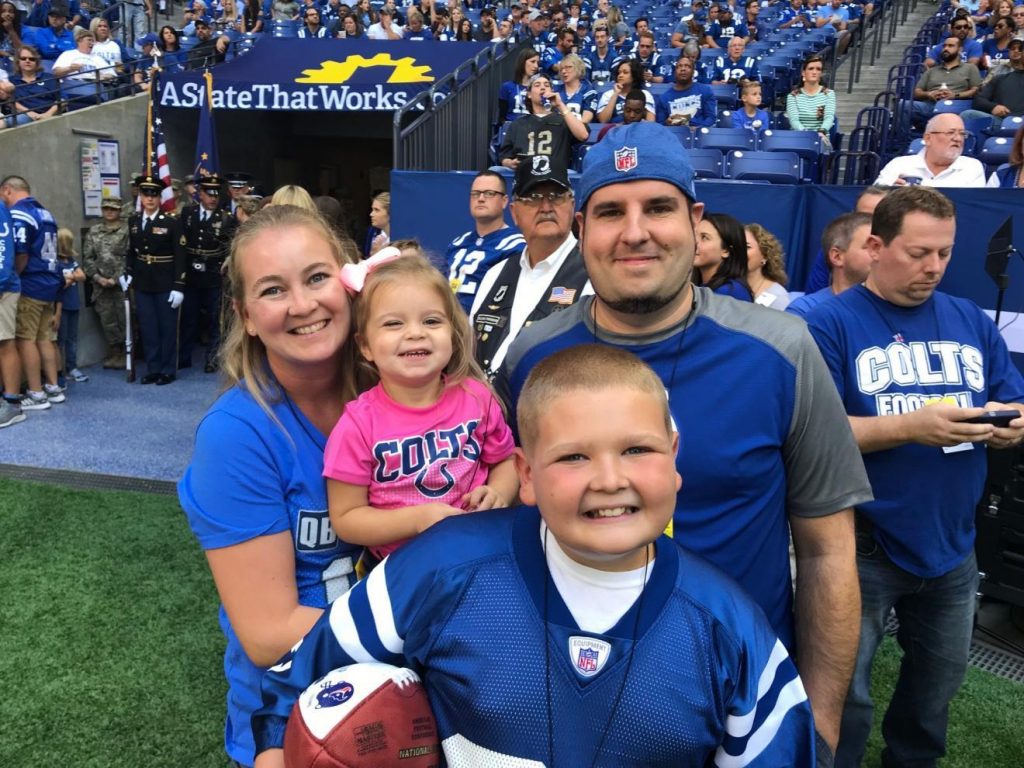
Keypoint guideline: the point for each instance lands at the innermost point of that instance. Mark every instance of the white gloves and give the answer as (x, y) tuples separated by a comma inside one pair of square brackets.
[(124, 281), (175, 298)]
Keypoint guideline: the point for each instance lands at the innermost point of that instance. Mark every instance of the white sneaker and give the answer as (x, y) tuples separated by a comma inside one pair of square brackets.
[(10, 413), (78, 375), (35, 401), (54, 393)]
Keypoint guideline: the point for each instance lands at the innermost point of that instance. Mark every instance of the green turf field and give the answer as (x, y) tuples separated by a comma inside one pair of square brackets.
[(110, 652)]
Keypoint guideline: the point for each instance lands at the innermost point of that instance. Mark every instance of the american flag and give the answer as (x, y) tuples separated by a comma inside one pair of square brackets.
[(155, 163), (562, 295)]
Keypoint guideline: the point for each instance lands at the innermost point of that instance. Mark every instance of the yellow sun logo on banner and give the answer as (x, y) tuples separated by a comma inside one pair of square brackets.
[(404, 70)]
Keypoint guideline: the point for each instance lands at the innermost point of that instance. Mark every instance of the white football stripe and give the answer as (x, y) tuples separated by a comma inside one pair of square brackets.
[(789, 697), (344, 629), (739, 726), (380, 606)]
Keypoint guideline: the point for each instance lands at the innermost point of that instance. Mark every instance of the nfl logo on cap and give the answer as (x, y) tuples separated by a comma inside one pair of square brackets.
[(625, 159)]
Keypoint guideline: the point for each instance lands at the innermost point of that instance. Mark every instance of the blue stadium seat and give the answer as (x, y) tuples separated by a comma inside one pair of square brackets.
[(807, 145), (954, 106), (727, 94), (775, 167), (286, 29), (578, 154), (684, 133), (995, 151), (726, 139), (707, 163), (1009, 126)]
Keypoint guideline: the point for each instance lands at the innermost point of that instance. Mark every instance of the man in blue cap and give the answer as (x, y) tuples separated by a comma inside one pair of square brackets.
[(765, 449)]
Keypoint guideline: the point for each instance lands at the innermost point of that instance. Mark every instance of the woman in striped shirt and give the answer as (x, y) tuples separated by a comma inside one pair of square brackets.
[(812, 106)]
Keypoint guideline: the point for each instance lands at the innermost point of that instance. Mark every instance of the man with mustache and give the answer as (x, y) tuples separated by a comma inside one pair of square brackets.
[(940, 163), (548, 276)]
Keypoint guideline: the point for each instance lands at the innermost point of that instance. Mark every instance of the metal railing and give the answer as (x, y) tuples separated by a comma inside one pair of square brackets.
[(449, 127), (870, 36), (71, 93)]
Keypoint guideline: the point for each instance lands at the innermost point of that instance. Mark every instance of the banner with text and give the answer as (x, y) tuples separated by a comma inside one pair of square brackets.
[(322, 75)]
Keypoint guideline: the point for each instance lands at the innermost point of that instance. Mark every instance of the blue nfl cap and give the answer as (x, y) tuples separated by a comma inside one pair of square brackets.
[(636, 152)]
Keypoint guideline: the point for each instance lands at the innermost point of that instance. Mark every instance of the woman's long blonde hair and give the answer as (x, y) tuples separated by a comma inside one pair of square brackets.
[(243, 358)]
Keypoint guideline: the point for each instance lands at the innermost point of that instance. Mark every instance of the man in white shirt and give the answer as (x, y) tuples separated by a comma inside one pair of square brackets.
[(386, 28), (548, 276), (940, 163)]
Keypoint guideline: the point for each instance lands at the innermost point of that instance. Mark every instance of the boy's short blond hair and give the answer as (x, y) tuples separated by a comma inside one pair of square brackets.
[(748, 85), (584, 368)]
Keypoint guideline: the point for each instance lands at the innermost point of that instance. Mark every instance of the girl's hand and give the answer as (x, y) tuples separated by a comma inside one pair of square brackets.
[(481, 498), (435, 513)]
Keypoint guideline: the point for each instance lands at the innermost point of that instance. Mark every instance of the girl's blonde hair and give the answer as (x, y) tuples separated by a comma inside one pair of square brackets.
[(243, 358), (774, 267), (415, 268), (66, 243)]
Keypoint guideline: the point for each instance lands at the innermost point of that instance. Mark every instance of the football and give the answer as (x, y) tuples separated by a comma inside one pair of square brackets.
[(363, 716)]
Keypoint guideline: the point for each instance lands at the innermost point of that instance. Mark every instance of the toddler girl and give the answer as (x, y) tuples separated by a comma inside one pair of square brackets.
[(429, 440)]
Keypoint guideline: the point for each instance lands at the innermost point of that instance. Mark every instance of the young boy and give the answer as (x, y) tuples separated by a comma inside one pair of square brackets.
[(575, 634), (750, 97)]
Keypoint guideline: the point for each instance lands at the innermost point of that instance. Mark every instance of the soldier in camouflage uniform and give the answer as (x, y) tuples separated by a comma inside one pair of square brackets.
[(103, 258)]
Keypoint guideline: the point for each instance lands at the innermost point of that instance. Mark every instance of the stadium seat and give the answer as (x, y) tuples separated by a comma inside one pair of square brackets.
[(807, 145), (1009, 126), (727, 94), (685, 134), (775, 167), (707, 163), (727, 139), (578, 154), (286, 29), (995, 151), (954, 106)]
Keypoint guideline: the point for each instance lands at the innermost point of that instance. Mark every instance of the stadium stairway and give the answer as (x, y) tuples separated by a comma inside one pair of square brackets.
[(873, 78)]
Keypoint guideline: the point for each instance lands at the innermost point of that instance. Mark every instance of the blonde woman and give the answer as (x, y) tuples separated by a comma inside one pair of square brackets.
[(766, 268), (254, 493)]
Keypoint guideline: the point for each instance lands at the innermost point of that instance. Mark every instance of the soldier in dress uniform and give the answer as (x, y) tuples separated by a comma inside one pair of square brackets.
[(239, 185), (208, 229), (157, 265), (103, 257)]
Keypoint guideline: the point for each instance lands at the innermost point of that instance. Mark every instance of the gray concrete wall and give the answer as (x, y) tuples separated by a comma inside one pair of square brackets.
[(47, 155)]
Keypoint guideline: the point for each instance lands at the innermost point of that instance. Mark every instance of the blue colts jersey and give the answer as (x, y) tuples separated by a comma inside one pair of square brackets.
[(35, 233), (729, 71), (470, 256), (690, 676)]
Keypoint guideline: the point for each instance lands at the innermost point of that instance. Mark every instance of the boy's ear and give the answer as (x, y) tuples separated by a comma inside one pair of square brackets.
[(526, 491)]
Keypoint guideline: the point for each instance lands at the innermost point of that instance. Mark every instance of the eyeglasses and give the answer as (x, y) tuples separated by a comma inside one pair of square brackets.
[(490, 194), (961, 26), (536, 198), (27, 58), (950, 134)]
